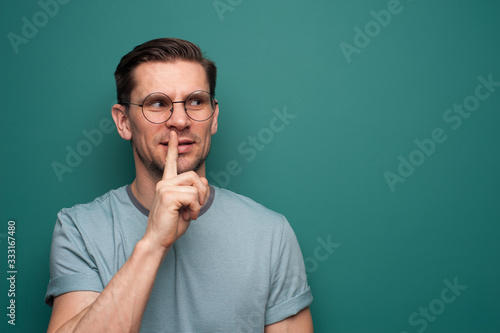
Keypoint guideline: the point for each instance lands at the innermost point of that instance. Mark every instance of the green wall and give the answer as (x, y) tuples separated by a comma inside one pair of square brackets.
[(370, 124)]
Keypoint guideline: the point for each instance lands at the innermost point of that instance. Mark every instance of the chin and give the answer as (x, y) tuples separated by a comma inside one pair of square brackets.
[(195, 166)]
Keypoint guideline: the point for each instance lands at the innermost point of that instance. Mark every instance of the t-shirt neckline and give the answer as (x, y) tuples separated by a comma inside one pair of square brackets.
[(145, 211)]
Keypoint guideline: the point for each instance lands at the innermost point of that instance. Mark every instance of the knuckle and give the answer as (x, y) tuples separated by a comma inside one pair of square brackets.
[(164, 195), (192, 174), (160, 185)]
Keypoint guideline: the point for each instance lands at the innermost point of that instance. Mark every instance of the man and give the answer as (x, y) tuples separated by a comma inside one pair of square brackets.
[(119, 264)]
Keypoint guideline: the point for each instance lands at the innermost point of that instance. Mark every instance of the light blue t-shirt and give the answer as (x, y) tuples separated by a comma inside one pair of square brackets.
[(236, 269)]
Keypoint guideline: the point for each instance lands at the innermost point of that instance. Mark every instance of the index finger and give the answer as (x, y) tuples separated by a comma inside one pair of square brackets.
[(170, 169)]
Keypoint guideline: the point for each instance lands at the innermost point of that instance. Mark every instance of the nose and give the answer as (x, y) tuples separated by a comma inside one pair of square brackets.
[(179, 119)]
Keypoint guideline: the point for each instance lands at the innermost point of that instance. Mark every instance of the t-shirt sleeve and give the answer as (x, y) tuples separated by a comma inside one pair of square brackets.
[(289, 292), (72, 268)]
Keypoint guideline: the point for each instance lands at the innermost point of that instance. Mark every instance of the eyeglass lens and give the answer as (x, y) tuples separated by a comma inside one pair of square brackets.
[(158, 107)]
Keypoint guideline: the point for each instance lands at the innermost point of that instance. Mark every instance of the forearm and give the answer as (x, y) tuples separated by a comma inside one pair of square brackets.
[(121, 305), (299, 323)]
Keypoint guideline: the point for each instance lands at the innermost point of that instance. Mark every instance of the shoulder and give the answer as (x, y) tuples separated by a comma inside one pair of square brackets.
[(243, 212), (110, 218), (102, 205), (233, 201)]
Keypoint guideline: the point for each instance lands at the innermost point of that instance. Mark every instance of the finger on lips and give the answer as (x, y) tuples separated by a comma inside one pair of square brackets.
[(170, 170), (185, 179)]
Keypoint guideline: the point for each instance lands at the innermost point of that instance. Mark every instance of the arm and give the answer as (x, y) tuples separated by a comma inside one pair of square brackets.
[(70, 305), (121, 305), (299, 323), (287, 308)]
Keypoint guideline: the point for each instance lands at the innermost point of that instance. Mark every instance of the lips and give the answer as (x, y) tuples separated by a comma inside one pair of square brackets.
[(184, 142), (183, 147)]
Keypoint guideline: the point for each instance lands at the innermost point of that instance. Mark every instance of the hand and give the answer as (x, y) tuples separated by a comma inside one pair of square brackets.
[(178, 200)]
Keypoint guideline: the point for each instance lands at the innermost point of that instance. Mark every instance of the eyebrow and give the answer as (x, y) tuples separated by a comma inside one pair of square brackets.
[(184, 98)]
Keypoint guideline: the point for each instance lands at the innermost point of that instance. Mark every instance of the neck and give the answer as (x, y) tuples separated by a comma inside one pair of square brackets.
[(144, 191)]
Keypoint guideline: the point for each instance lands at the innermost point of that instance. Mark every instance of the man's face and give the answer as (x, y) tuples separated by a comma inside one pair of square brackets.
[(177, 80)]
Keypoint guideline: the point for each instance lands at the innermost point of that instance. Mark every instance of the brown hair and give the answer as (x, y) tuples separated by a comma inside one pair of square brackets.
[(158, 50)]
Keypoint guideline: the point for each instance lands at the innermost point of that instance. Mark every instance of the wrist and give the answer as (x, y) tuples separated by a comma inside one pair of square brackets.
[(150, 250)]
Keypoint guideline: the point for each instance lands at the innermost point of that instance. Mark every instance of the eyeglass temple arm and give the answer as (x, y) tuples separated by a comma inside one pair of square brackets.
[(141, 105), (132, 104)]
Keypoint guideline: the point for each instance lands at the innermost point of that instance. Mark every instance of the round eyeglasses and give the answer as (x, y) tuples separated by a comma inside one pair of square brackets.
[(157, 107)]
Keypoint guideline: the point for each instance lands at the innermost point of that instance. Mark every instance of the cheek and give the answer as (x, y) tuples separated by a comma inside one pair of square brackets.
[(207, 135), (208, 142), (135, 134), (140, 136)]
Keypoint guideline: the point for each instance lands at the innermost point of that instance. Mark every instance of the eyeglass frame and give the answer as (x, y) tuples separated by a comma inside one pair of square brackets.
[(212, 99)]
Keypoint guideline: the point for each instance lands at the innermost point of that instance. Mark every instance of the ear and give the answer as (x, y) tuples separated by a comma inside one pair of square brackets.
[(122, 121), (215, 117)]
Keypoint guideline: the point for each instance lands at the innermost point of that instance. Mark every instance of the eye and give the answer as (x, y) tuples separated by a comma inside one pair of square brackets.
[(157, 103), (198, 101), (195, 102)]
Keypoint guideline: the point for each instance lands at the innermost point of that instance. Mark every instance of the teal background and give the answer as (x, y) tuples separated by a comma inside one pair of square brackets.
[(324, 170)]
